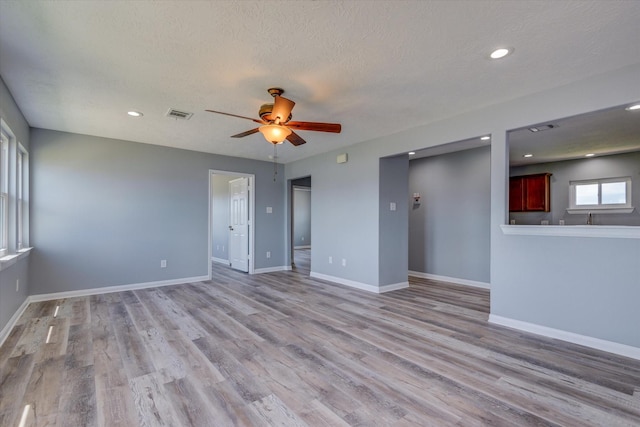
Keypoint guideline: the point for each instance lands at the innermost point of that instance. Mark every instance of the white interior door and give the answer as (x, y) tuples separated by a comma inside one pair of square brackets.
[(239, 224)]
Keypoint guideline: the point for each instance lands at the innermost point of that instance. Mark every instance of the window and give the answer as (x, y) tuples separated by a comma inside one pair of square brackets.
[(14, 198), (605, 194), (4, 193), (22, 188)]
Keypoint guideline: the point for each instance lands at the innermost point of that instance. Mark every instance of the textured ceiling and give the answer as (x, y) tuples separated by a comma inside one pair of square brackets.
[(377, 67)]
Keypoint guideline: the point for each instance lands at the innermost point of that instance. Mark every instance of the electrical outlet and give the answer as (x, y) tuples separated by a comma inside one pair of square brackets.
[(222, 248), (163, 263), (302, 238), (268, 254), (17, 284), (269, 209), (344, 262), (217, 247), (392, 206), (330, 260)]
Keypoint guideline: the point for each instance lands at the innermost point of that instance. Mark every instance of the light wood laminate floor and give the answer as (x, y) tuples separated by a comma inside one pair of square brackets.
[(284, 349)]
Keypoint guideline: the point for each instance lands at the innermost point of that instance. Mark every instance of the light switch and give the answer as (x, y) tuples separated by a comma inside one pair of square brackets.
[(269, 209)]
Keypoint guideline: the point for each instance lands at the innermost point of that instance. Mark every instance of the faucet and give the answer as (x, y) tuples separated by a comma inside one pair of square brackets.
[(589, 219)]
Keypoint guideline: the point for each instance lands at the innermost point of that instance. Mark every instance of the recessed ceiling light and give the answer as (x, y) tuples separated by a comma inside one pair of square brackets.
[(135, 113), (633, 107), (500, 53), (589, 155), (411, 153), (485, 138), (528, 155)]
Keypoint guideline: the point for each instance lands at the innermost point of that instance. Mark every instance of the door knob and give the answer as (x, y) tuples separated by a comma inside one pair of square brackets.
[(231, 228)]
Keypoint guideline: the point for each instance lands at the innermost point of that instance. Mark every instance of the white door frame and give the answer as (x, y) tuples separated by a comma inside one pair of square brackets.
[(252, 204)]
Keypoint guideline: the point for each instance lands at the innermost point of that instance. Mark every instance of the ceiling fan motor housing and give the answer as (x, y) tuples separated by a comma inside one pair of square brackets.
[(265, 113)]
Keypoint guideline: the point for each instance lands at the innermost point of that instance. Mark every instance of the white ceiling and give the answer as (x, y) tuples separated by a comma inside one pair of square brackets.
[(376, 67)]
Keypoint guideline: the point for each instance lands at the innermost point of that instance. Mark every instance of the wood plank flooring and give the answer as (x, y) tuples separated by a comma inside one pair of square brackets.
[(284, 349), (302, 261)]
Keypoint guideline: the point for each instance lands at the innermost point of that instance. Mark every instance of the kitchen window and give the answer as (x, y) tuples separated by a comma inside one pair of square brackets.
[(610, 194)]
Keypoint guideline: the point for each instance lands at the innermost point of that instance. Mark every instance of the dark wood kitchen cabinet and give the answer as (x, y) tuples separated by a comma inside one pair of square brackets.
[(530, 193)]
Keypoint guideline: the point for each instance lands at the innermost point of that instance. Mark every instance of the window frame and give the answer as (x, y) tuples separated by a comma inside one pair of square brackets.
[(22, 198), (609, 207), (14, 198), (5, 138)]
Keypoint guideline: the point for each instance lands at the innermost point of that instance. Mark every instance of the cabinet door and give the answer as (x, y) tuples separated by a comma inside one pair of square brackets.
[(536, 190), (530, 193), (516, 194)]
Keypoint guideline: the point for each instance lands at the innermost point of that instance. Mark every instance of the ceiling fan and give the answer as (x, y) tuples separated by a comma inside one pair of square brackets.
[(276, 124)]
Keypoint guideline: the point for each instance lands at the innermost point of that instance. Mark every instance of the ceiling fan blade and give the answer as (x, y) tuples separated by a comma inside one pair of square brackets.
[(295, 139), (316, 126), (240, 117), (282, 108), (247, 133)]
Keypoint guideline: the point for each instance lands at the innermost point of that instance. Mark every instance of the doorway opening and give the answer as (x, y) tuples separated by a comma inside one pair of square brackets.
[(231, 220), (450, 212), (300, 243)]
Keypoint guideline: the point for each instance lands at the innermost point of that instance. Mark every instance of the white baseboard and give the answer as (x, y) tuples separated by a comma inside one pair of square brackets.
[(302, 247), (272, 269), (455, 280), (220, 260), (360, 285), (4, 334), (584, 340), (393, 287), (118, 288)]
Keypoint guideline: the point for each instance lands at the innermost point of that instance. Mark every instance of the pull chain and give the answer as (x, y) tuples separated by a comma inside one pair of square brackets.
[(275, 165)]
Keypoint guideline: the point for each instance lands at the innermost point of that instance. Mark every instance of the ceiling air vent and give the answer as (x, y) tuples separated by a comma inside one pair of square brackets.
[(177, 114), (542, 127)]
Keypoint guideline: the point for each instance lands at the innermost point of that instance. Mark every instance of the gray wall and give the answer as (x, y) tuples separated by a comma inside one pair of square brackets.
[(301, 217), (393, 245), (344, 216), (220, 216), (614, 166), (10, 299), (569, 282), (449, 229), (104, 212)]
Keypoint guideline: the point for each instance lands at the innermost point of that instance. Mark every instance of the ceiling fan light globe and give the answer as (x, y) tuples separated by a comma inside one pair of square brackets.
[(275, 134)]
